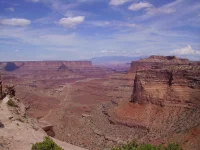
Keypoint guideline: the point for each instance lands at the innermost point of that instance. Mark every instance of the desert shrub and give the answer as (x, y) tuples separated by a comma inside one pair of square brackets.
[(20, 119), (128, 146), (147, 147), (11, 103), (135, 146), (173, 146), (47, 144), (10, 90)]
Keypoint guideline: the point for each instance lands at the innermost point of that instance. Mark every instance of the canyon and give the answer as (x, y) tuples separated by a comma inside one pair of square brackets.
[(156, 100)]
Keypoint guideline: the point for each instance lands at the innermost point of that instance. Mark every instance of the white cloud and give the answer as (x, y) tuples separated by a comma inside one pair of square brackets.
[(165, 9), (107, 51), (186, 51), (118, 2), (71, 22), (140, 5), (10, 9), (161, 10), (15, 22), (35, 1), (47, 37), (115, 24), (152, 11)]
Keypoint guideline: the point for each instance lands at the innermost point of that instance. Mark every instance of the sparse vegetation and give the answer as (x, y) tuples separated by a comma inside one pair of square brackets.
[(11, 103), (20, 119), (173, 146), (136, 146), (47, 144), (10, 90)]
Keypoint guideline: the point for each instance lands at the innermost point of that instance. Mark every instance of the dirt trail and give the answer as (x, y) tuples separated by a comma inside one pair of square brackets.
[(68, 89)]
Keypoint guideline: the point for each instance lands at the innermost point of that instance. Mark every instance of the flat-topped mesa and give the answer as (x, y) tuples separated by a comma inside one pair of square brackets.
[(155, 58), (156, 62), (57, 64), (176, 87), (43, 65), (78, 63), (11, 66)]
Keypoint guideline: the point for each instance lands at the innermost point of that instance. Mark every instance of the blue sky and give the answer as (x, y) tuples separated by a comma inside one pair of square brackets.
[(82, 29)]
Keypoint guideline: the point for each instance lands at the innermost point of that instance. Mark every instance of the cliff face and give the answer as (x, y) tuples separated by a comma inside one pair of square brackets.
[(166, 81), (168, 87), (165, 101), (156, 62)]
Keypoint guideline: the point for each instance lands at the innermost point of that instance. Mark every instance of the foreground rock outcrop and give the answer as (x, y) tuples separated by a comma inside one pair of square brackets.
[(17, 128)]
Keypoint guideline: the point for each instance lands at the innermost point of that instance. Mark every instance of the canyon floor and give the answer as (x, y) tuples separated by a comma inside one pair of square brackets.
[(74, 103)]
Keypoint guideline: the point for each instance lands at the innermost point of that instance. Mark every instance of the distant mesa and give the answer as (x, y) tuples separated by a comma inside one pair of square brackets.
[(11, 66), (43, 65)]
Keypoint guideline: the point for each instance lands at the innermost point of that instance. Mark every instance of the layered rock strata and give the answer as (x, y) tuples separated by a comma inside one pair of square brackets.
[(168, 87), (44, 65), (157, 62), (78, 67), (165, 104)]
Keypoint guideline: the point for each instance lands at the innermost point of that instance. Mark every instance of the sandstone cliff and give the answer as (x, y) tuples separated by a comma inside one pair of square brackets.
[(173, 85), (165, 103), (166, 100), (156, 62)]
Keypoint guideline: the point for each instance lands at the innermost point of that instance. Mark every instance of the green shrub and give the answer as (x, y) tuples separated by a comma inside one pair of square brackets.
[(135, 146), (128, 146), (147, 147), (47, 144), (12, 103), (173, 146)]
